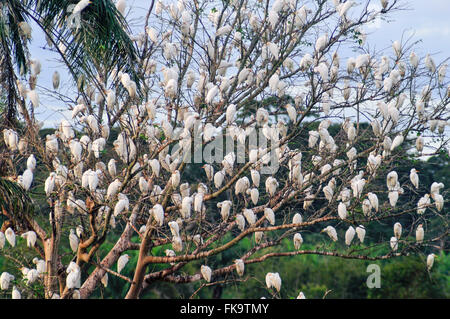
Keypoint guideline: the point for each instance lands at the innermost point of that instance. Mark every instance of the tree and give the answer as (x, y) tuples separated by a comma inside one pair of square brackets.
[(250, 130)]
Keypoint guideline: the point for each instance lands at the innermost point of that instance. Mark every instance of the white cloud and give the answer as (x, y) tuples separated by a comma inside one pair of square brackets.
[(436, 31)]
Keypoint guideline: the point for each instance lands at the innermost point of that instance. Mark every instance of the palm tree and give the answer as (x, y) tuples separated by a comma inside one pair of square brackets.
[(93, 47), (15, 205)]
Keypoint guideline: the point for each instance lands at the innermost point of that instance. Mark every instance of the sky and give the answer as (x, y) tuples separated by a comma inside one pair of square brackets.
[(426, 21)]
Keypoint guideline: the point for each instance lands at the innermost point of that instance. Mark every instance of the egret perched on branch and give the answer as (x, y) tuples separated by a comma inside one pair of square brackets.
[(121, 6), (419, 234), (240, 266), (430, 261), (361, 233), (414, 177), (271, 185), (73, 240), (435, 188), (298, 241), (397, 230), (225, 208), (297, 219), (206, 272), (273, 280), (5, 279), (55, 80), (321, 42), (121, 262), (240, 221), (438, 201), (331, 232), (158, 214), (349, 234), (249, 216), (373, 198), (391, 180), (26, 179), (31, 237), (174, 228), (394, 243), (342, 211), (15, 293), (2, 240), (80, 6), (423, 203), (121, 205), (269, 215), (10, 236), (429, 63)]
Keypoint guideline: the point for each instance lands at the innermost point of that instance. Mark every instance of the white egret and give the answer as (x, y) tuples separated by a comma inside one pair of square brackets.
[(414, 177), (398, 140), (113, 189), (198, 202), (429, 63), (430, 261), (349, 235), (391, 180), (321, 42), (158, 214), (423, 203), (273, 280), (73, 278), (155, 165), (271, 185), (186, 205), (15, 294), (419, 234), (121, 205), (298, 241), (5, 279), (73, 241), (31, 237), (435, 188), (143, 185), (438, 201), (331, 232), (249, 216), (342, 211), (393, 198), (373, 198), (174, 228), (121, 6), (397, 230), (225, 207), (301, 295), (240, 221), (121, 262), (10, 236), (361, 233), (240, 266), (27, 179), (175, 179), (31, 163), (177, 243), (32, 275), (206, 272), (2, 240), (269, 215), (394, 243)]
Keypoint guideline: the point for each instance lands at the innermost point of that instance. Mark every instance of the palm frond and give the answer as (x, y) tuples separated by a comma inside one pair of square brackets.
[(15, 203), (100, 40)]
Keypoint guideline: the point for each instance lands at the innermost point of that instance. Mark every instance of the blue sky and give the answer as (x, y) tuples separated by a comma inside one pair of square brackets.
[(423, 20)]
